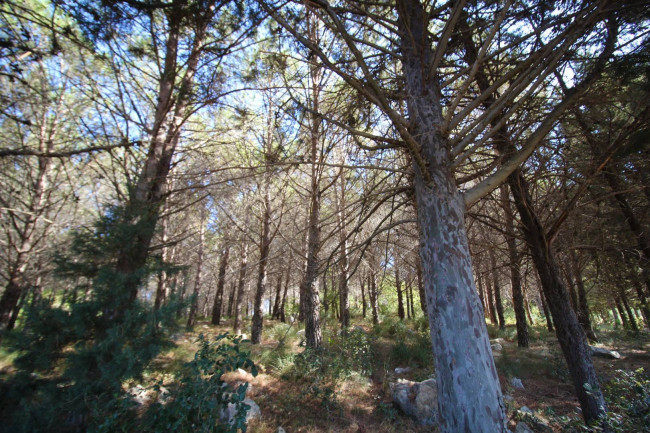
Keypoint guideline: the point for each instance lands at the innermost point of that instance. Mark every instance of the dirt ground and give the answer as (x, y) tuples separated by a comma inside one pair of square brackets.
[(362, 404)]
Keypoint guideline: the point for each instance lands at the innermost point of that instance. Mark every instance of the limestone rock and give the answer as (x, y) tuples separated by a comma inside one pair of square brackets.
[(228, 414), (516, 383), (418, 400)]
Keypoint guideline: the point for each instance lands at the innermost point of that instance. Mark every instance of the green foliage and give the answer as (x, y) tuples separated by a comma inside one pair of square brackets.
[(73, 360), (628, 397), (197, 403), (320, 370), (416, 350)]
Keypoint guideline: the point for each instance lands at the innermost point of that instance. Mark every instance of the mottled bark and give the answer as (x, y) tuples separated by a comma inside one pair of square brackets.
[(469, 392), (515, 271), (374, 302), (217, 306)]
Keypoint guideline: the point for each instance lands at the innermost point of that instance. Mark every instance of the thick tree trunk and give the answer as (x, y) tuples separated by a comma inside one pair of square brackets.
[(469, 393), (197, 279), (515, 271), (217, 307)]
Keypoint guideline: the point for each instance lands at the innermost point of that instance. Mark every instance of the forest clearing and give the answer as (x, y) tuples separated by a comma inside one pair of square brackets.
[(313, 216)]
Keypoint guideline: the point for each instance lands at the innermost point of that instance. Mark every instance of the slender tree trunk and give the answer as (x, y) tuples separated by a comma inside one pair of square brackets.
[(628, 310), (363, 296), (400, 301), (584, 315), (142, 209), (243, 265), (545, 310), (217, 307), (515, 271), (423, 298), (278, 297), (283, 316), (490, 298), (161, 286), (231, 298), (481, 295), (497, 291), (374, 304), (465, 372), (265, 244), (344, 296), (197, 279), (645, 307), (568, 330)]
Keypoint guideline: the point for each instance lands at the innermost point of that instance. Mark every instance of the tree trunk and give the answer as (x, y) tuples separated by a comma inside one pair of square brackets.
[(142, 209), (265, 245), (584, 315), (283, 316), (497, 291), (515, 271), (468, 385), (197, 279), (374, 304), (632, 321), (344, 297), (568, 330), (547, 313), (423, 298), (363, 297), (275, 314), (400, 301), (243, 264), (490, 298), (217, 307)]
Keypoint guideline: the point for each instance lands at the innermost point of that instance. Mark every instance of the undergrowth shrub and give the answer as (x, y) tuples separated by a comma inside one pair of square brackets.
[(200, 396)]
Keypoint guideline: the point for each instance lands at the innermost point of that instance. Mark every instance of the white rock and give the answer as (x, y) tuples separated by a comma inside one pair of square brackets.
[(228, 414), (516, 383), (399, 370), (281, 430), (496, 347)]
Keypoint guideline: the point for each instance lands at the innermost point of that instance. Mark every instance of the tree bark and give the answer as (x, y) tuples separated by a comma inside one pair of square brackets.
[(466, 376), (497, 291), (243, 265), (265, 245), (217, 307), (400, 300), (568, 330), (584, 315), (515, 271), (197, 279)]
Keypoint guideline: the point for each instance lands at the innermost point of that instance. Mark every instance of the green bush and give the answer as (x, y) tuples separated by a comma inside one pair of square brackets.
[(195, 405)]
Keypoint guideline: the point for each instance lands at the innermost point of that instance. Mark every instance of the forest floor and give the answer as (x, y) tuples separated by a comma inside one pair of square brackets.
[(332, 398)]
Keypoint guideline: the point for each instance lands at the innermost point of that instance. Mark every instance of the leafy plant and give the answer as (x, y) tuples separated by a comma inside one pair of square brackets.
[(199, 402)]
